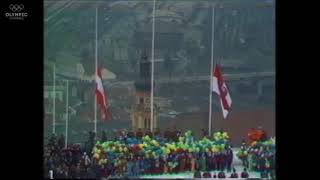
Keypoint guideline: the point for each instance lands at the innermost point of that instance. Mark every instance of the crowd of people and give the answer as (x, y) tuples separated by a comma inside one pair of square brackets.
[(134, 154), (259, 154), (221, 174)]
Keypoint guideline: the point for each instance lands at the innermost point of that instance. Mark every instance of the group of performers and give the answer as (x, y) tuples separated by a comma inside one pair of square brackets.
[(259, 153), (135, 154)]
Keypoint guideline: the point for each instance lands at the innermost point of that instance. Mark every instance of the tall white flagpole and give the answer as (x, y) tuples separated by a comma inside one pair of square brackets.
[(54, 100), (96, 73), (211, 72), (152, 63), (67, 113)]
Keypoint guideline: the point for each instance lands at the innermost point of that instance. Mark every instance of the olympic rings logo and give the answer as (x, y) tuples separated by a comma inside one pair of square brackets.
[(16, 7)]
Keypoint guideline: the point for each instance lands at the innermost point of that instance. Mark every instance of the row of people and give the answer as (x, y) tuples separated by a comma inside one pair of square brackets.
[(173, 163), (76, 161), (169, 134), (221, 174), (260, 159)]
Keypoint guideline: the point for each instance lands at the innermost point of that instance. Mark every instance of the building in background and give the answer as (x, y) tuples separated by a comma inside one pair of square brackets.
[(141, 117)]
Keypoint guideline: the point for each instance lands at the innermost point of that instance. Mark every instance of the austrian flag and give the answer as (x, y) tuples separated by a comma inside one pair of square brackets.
[(219, 86), (102, 99)]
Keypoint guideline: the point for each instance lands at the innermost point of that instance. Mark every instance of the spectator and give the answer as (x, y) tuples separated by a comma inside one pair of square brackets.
[(51, 174), (50, 163), (130, 167), (136, 170), (96, 170), (130, 134), (157, 168), (165, 165), (223, 160), (214, 175), (262, 166), (103, 171), (72, 174), (86, 160), (234, 174), (244, 174), (209, 161), (221, 174), (245, 158), (52, 140), (272, 167), (229, 159), (157, 133), (65, 171), (139, 133), (264, 175), (204, 133), (182, 162), (104, 136), (244, 144), (206, 174), (61, 142), (141, 164), (74, 162), (178, 133), (203, 163), (149, 133), (219, 161), (167, 134), (77, 172), (83, 170), (59, 173), (193, 163)]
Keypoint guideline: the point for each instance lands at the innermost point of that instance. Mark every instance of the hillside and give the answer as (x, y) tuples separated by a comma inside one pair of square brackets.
[(244, 33), (244, 42)]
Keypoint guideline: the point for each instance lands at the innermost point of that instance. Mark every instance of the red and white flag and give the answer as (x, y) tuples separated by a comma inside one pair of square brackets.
[(219, 86), (102, 99)]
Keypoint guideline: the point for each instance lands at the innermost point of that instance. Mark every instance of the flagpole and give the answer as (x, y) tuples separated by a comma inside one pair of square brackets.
[(67, 114), (96, 73), (211, 72), (54, 100), (152, 64)]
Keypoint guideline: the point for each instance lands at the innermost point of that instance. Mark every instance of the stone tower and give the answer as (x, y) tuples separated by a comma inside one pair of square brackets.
[(141, 117)]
